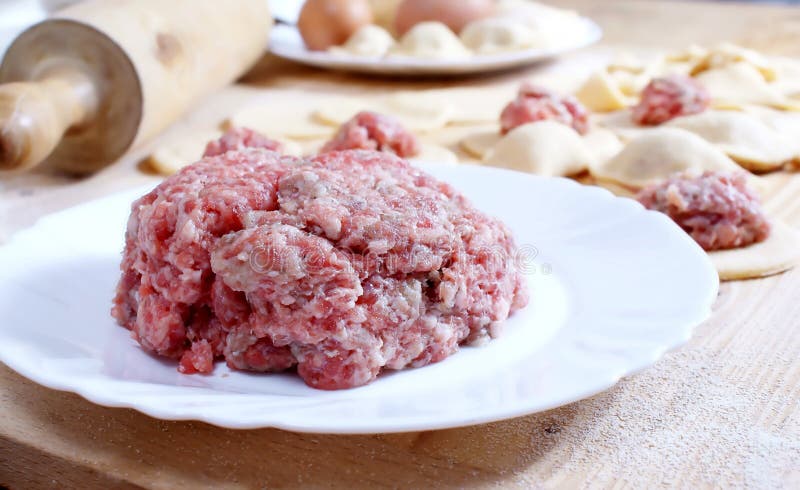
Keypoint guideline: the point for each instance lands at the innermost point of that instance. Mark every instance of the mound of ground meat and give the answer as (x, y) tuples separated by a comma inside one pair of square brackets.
[(239, 139), (535, 103), (373, 131), (666, 98), (717, 209), (341, 265)]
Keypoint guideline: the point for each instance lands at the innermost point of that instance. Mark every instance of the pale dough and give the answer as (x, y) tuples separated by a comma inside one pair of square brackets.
[(778, 253), (621, 123), (499, 34), (659, 153), (479, 143), (369, 40), (470, 105), (416, 114), (601, 93), (430, 40), (175, 154), (543, 148), (282, 116), (430, 152), (743, 137), (553, 25), (725, 54), (737, 84), (602, 144)]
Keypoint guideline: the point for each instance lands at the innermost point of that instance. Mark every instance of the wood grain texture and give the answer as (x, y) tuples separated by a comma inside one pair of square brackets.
[(722, 411)]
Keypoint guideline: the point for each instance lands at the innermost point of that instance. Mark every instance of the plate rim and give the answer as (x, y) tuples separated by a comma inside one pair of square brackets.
[(479, 63)]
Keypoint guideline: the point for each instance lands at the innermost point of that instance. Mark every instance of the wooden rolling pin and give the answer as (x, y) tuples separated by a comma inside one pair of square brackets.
[(82, 87)]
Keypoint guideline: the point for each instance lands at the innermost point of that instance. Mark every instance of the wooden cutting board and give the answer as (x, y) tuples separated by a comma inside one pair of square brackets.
[(722, 411)]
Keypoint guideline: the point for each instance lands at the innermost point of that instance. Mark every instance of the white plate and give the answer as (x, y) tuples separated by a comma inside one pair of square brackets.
[(285, 41), (613, 287)]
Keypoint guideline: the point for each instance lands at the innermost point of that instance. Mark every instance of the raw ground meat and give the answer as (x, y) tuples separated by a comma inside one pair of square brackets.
[(341, 265), (666, 98), (373, 131), (239, 139), (535, 103), (717, 209)]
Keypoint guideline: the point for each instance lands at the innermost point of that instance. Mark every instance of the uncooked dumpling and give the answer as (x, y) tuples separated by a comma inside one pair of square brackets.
[(727, 54), (779, 252), (498, 34), (369, 40), (601, 93), (737, 84), (659, 153), (543, 148), (430, 40), (749, 141)]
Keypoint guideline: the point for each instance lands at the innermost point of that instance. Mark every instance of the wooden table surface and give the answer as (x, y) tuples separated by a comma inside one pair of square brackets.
[(722, 411)]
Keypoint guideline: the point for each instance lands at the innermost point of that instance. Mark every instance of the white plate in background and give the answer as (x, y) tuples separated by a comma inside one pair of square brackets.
[(285, 42)]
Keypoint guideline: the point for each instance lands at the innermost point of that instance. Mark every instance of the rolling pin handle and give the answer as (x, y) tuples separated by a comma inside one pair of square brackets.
[(35, 115)]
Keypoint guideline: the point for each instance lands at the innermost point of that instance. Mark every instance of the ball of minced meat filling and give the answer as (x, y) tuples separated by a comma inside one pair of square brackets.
[(669, 97), (717, 209), (373, 131), (238, 139), (534, 103), (341, 265)]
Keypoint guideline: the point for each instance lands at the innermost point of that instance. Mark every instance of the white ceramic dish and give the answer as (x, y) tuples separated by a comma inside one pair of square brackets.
[(613, 288), (285, 41)]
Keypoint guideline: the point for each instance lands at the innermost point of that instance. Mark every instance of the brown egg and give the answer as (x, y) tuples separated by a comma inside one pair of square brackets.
[(455, 14), (326, 23)]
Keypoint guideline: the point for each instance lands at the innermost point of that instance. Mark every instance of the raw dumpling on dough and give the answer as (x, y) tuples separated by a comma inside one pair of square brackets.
[(430, 40), (726, 54), (778, 253), (369, 40), (749, 141), (737, 84), (659, 153), (543, 148), (601, 93), (498, 34)]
